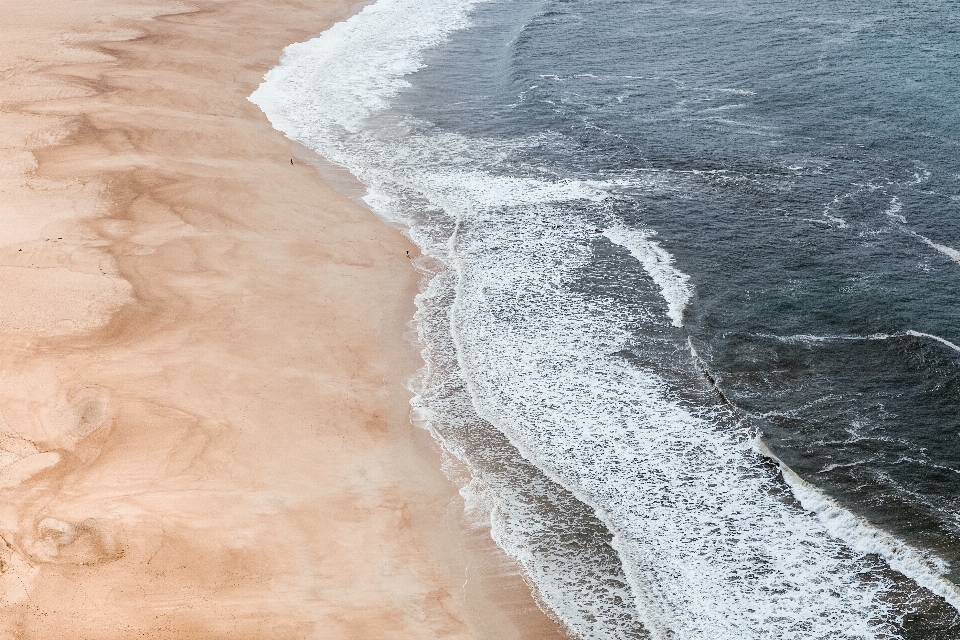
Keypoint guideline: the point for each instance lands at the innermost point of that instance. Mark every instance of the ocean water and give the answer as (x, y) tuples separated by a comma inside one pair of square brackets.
[(689, 304)]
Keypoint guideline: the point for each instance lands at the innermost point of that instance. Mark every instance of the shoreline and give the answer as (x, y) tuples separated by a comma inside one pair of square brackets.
[(187, 447)]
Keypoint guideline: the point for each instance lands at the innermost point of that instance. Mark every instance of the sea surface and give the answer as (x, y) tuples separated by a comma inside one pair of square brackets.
[(690, 308)]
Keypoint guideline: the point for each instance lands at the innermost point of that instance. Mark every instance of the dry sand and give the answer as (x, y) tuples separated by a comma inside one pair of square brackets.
[(204, 432)]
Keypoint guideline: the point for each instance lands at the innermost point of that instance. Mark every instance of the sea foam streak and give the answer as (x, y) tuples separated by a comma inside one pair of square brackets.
[(950, 252), (705, 532), (674, 284), (943, 341), (811, 339)]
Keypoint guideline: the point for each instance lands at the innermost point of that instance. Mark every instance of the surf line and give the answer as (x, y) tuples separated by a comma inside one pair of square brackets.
[(924, 568)]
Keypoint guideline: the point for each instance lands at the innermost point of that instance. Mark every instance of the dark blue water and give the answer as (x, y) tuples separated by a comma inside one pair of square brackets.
[(817, 149)]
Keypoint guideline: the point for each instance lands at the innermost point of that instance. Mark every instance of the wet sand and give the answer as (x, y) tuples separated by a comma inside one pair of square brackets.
[(204, 428)]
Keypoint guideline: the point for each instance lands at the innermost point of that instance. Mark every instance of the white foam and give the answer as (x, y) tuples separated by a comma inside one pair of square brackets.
[(924, 568), (354, 68), (840, 222), (491, 191), (942, 341), (581, 580), (658, 262), (920, 176), (810, 339), (950, 252), (710, 552), (894, 210)]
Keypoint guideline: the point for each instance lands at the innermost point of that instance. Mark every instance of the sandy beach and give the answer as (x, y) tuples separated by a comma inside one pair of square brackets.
[(204, 431)]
